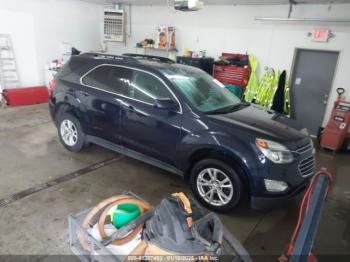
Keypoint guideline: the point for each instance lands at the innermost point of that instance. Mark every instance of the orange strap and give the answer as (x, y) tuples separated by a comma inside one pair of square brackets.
[(187, 206)]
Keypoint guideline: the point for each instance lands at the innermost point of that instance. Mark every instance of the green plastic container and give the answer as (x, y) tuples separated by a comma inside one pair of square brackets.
[(236, 90), (124, 214)]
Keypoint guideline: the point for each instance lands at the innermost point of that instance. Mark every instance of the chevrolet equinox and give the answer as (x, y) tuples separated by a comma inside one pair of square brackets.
[(180, 119)]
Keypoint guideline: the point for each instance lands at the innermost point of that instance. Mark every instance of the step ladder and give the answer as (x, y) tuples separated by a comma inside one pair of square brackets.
[(8, 67), (9, 76)]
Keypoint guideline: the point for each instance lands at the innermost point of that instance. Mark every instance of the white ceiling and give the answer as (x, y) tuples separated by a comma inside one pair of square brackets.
[(217, 2)]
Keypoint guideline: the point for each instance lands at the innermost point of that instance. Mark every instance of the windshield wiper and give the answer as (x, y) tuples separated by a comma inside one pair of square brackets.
[(228, 109)]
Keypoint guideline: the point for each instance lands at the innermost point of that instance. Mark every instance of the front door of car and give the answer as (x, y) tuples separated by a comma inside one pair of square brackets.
[(99, 96), (144, 128)]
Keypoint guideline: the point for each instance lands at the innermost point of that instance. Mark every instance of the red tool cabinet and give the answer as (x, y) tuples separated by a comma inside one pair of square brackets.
[(337, 130), (26, 96), (232, 74)]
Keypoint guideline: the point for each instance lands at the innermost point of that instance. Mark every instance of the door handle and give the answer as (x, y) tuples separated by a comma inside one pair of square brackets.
[(103, 106), (131, 108), (325, 99), (83, 93)]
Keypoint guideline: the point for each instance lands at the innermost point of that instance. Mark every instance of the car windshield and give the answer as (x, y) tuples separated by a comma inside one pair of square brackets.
[(205, 93)]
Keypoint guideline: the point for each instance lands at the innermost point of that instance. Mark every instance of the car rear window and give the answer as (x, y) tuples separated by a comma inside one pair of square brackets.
[(109, 78), (72, 65)]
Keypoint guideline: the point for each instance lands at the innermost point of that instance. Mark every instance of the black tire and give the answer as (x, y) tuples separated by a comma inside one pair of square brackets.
[(236, 183), (80, 141)]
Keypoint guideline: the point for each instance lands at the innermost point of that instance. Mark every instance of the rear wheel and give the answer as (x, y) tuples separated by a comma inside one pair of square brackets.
[(70, 132), (216, 185)]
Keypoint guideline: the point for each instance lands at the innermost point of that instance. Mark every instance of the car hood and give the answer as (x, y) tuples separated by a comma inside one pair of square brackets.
[(264, 123)]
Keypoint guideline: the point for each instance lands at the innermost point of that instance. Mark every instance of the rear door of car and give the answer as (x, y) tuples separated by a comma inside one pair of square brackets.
[(99, 94), (144, 128)]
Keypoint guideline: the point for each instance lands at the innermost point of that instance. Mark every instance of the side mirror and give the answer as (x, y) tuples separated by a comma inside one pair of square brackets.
[(165, 103)]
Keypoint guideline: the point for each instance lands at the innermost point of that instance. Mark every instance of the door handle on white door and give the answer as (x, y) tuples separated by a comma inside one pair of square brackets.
[(325, 99)]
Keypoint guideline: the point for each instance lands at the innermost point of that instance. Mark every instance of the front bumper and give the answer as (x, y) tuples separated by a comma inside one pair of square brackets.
[(296, 174), (275, 201)]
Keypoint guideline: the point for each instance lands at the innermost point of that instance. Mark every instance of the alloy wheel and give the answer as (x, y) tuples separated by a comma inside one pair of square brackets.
[(215, 187), (69, 132)]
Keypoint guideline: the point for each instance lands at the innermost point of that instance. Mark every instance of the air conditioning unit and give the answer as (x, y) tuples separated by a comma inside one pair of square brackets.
[(188, 5), (114, 26)]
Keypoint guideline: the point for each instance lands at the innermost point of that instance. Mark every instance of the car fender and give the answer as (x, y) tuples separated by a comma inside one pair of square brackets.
[(67, 102), (237, 149)]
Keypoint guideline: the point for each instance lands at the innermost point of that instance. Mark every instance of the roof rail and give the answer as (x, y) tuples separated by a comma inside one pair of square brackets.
[(109, 56), (150, 57)]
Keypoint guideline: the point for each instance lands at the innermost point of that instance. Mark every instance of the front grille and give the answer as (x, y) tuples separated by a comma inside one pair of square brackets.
[(307, 166), (305, 148)]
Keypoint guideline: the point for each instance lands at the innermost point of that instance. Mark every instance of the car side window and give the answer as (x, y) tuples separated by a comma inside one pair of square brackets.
[(147, 88), (128, 82), (109, 78)]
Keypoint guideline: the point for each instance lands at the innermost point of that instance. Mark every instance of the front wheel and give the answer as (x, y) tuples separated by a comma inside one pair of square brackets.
[(216, 185)]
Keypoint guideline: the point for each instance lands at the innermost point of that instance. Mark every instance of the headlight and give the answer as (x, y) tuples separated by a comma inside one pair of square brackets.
[(275, 185), (274, 151), (304, 131)]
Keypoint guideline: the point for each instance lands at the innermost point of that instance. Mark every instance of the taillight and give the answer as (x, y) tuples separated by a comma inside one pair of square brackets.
[(52, 86)]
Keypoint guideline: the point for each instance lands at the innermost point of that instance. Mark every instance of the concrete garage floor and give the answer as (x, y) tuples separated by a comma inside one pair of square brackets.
[(35, 221)]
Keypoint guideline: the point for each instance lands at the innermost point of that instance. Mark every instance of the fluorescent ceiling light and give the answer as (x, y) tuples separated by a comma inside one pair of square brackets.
[(320, 20)]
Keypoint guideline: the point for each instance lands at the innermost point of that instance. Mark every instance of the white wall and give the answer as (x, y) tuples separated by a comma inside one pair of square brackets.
[(233, 29), (22, 35), (38, 28)]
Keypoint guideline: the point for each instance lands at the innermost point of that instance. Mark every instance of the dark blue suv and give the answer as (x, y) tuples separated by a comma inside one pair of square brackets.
[(180, 119)]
